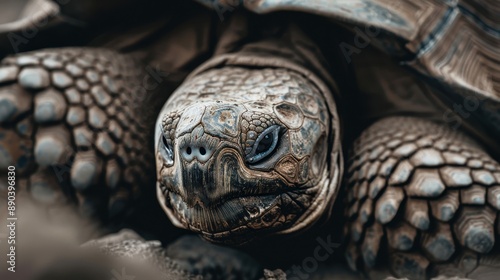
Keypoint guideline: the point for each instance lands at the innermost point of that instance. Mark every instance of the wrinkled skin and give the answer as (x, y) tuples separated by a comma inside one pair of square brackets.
[(242, 153)]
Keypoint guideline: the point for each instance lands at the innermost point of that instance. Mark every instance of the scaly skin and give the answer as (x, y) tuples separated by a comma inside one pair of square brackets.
[(212, 177), (423, 199), (70, 120), (425, 195)]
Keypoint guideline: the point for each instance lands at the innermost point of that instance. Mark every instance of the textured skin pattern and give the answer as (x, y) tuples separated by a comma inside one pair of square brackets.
[(424, 194), (210, 126), (70, 121), (424, 29), (450, 43)]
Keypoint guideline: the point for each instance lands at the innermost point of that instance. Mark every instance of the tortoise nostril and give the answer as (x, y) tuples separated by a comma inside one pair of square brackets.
[(195, 151)]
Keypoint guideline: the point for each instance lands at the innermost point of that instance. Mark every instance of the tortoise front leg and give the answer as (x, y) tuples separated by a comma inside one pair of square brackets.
[(70, 123), (423, 199)]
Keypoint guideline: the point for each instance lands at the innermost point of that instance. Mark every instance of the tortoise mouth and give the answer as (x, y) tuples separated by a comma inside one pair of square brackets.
[(234, 220)]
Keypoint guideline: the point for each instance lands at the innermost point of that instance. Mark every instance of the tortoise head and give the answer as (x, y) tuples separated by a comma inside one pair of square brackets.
[(243, 153)]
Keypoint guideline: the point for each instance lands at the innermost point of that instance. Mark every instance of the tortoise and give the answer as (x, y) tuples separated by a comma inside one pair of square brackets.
[(256, 104)]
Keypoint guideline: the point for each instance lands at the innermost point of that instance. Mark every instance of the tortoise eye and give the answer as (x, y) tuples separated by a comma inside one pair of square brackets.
[(264, 145), (166, 150)]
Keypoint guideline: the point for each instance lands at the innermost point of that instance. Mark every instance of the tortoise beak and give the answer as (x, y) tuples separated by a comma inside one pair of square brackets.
[(199, 184)]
